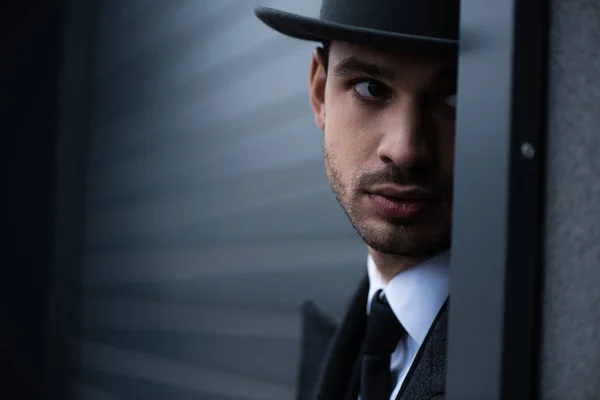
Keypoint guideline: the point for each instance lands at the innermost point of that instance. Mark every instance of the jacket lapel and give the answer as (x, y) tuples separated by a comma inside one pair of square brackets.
[(426, 377), (336, 374), (317, 332)]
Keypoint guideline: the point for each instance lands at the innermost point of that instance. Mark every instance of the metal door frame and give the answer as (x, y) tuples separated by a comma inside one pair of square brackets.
[(497, 221)]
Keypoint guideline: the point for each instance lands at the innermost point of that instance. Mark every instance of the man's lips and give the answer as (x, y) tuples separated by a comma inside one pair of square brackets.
[(400, 202), (406, 194)]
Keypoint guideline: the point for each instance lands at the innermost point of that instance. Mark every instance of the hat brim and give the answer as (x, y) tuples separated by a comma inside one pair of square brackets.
[(313, 29)]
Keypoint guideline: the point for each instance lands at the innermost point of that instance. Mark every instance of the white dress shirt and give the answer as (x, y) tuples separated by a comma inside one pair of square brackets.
[(415, 296)]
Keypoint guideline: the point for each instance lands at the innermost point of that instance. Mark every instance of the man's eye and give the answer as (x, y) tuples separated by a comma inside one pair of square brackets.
[(450, 101), (372, 89)]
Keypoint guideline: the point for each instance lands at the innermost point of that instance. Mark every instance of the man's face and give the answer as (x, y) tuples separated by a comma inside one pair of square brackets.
[(388, 123)]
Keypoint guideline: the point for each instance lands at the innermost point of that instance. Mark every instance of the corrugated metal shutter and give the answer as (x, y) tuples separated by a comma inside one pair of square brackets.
[(210, 219)]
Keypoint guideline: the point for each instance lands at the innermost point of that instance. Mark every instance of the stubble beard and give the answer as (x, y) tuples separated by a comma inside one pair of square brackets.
[(386, 236)]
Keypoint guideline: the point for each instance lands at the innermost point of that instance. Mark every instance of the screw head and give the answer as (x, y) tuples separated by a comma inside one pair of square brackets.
[(527, 150)]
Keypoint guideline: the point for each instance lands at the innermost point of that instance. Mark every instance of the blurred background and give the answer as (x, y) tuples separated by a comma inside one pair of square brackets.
[(209, 219), (194, 216)]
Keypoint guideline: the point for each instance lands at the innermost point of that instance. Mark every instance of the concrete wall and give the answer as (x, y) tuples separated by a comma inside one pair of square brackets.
[(571, 340)]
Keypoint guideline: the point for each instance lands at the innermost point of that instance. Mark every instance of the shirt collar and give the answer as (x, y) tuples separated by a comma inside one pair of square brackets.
[(415, 295)]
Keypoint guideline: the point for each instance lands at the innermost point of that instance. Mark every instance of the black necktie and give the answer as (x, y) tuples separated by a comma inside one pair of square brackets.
[(383, 333)]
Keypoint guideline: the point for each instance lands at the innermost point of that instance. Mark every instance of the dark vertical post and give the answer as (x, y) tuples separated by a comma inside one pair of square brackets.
[(76, 79)]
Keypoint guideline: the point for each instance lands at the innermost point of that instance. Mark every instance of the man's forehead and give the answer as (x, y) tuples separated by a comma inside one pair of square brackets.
[(393, 58)]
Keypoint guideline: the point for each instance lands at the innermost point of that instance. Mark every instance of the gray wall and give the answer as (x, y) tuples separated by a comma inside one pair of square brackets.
[(209, 217), (571, 342)]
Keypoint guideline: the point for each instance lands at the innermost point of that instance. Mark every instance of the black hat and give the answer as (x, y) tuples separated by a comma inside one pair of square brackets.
[(372, 22)]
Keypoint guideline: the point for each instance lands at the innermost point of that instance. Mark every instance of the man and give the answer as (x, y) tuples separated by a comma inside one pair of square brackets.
[(382, 90)]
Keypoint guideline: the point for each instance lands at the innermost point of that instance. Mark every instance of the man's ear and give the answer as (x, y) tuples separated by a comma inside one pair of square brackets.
[(318, 79)]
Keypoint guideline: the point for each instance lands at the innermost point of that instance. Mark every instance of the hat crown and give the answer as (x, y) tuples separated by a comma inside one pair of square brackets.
[(433, 18), (391, 23)]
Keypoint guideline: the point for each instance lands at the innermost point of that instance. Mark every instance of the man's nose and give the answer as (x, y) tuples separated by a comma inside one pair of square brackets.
[(406, 138)]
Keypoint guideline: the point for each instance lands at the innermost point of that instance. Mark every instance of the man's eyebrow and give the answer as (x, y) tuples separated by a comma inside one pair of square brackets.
[(354, 65)]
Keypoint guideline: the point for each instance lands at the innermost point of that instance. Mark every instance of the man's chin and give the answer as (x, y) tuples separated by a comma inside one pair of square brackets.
[(386, 239), (421, 251), (418, 240)]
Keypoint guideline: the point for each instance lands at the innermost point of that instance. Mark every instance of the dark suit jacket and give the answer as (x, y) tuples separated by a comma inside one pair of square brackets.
[(329, 355)]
